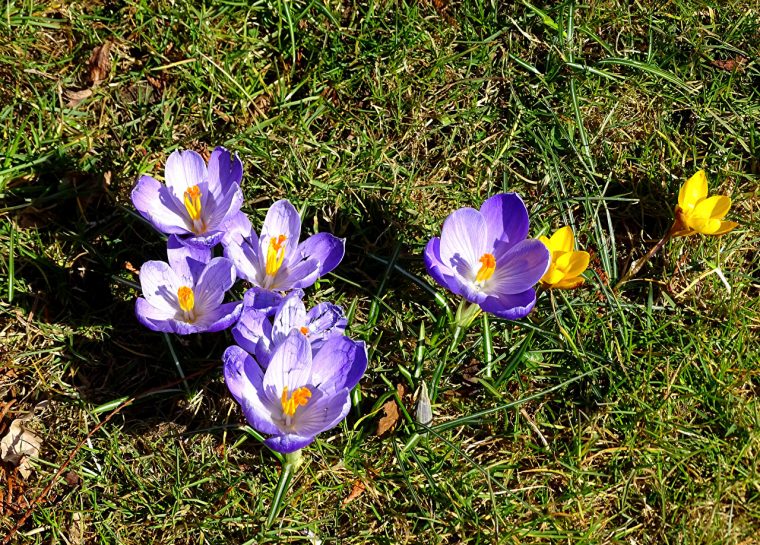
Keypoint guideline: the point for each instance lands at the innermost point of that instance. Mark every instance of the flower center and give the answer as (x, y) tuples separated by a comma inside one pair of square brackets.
[(290, 404), (487, 267), (304, 330), (275, 254), (186, 299), (193, 202)]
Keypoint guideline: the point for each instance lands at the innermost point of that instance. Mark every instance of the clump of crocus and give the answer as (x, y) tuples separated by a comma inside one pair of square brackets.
[(186, 294), (567, 264), (695, 213), (300, 393), (197, 203), (484, 257), (262, 326), (698, 213), (275, 260)]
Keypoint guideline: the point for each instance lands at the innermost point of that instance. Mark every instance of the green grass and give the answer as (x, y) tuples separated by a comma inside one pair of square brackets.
[(627, 417)]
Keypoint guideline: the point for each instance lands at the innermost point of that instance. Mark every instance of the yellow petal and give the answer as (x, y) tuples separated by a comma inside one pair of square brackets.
[(725, 227), (692, 191), (706, 226), (578, 264), (715, 207), (545, 242), (552, 276), (563, 240), (570, 283)]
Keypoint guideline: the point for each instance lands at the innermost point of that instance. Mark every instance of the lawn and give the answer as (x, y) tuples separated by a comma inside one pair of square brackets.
[(620, 416)]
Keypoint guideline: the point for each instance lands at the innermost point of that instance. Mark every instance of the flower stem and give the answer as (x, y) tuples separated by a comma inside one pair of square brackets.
[(177, 363), (636, 266), (457, 336), (292, 461)]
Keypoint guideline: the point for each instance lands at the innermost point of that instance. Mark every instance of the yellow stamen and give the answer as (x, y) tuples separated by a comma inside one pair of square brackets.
[(290, 404), (304, 330), (186, 299), (275, 254), (193, 202), (487, 268)]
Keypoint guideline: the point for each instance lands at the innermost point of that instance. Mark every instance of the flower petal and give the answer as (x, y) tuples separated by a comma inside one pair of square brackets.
[(463, 239), (236, 228), (569, 283), (282, 219), (506, 220), (185, 169), (289, 367), (692, 191), (263, 300), (512, 306), (290, 314), (519, 269), (244, 377), (245, 257), (288, 443), (159, 284), (725, 227), (187, 260), (715, 207), (322, 413), (340, 363), (448, 277), (303, 275), (252, 327), (573, 263), (215, 280), (220, 318), (324, 320), (562, 240), (155, 203), (224, 170), (152, 317), (327, 249)]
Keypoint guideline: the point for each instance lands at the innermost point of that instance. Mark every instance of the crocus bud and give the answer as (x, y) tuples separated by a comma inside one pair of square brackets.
[(424, 413)]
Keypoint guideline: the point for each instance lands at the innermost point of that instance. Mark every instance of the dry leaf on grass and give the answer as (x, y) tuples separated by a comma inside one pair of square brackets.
[(99, 65), (390, 409), (18, 445), (729, 65), (356, 490), (75, 97)]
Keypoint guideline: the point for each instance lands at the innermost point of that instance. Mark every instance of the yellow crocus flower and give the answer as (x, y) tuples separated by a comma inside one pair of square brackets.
[(698, 213), (566, 266)]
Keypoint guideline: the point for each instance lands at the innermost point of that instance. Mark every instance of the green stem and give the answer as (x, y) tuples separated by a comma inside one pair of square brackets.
[(442, 365), (292, 461), (487, 346), (177, 363)]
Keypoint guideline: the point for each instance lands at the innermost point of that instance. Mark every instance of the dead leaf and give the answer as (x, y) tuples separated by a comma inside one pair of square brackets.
[(156, 83), (729, 65), (72, 479), (76, 530), (75, 97), (131, 268), (18, 445), (390, 410), (356, 490), (99, 65)]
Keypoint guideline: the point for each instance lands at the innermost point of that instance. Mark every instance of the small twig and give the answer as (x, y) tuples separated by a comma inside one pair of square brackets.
[(534, 427), (636, 267)]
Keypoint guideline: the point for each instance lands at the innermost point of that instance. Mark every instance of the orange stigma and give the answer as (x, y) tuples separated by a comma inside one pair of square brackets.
[(487, 267), (193, 202), (186, 298), (275, 254), (290, 404), (304, 330)]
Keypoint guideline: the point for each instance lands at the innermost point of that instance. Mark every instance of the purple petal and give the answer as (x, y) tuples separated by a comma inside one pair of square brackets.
[(186, 260), (263, 300), (215, 280), (282, 219), (288, 443), (159, 284), (321, 413), (512, 306), (325, 320), (325, 248), (519, 268), (244, 380), (506, 221), (245, 258), (289, 367), (236, 228), (303, 275), (221, 317), (156, 204), (339, 364), (446, 276), (151, 317), (209, 239), (224, 170), (185, 169), (463, 239), (290, 314), (252, 327), (225, 208)]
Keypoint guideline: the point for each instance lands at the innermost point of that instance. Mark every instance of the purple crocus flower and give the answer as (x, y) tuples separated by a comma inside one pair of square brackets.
[(262, 327), (484, 257), (198, 203), (275, 260), (185, 295), (298, 395)]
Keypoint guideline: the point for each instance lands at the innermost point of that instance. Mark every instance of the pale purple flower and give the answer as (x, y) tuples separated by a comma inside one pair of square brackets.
[(275, 260), (484, 257), (186, 295), (262, 326), (198, 203), (299, 395)]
